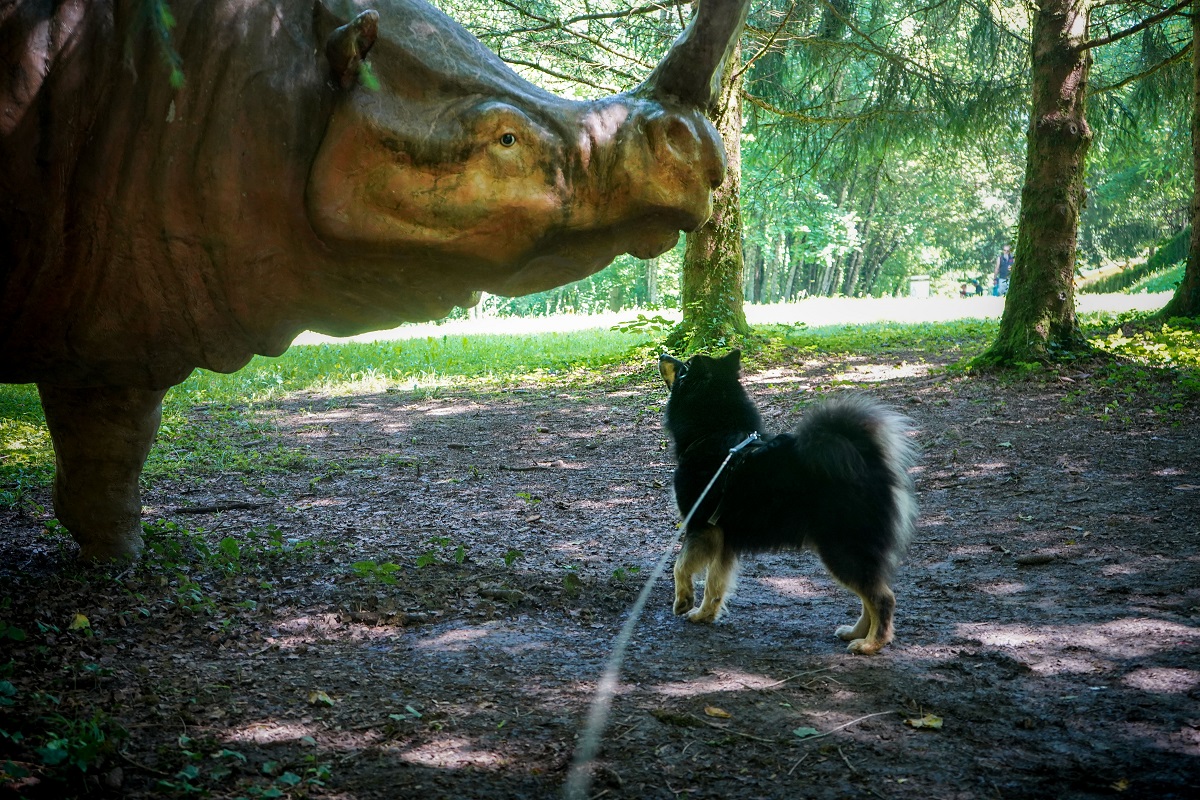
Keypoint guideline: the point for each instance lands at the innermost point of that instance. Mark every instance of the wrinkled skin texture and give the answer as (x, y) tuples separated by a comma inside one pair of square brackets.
[(146, 230)]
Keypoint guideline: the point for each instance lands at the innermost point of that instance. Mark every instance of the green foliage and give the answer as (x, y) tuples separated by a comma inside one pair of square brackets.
[(1157, 270), (382, 572)]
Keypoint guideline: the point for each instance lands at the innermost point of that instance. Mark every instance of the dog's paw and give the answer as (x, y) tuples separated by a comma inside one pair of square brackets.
[(846, 633), (683, 605), (703, 615), (865, 647)]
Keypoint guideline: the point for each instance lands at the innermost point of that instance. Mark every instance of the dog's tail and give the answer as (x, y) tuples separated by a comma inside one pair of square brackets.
[(852, 437)]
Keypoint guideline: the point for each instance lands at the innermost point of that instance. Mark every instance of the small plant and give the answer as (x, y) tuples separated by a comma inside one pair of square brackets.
[(656, 325), (384, 573), (531, 499), (432, 556), (622, 574), (511, 556)]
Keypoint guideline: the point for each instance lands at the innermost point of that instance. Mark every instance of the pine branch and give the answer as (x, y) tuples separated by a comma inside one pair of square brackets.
[(561, 76), (549, 24), (828, 120), (1146, 23), (767, 46), (1185, 50)]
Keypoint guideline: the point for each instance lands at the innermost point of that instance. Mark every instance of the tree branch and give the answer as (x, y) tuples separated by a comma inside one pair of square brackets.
[(549, 24), (561, 76), (1183, 51), (1146, 23), (767, 46)]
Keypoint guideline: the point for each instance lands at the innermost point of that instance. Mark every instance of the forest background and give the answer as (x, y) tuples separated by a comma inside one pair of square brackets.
[(886, 139)]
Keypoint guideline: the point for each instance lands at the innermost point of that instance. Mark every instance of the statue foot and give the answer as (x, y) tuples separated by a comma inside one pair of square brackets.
[(101, 439)]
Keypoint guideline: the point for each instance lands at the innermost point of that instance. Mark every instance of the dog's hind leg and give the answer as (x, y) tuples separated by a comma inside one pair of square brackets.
[(718, 585), (699, 550), (867, 578), (874, 628)]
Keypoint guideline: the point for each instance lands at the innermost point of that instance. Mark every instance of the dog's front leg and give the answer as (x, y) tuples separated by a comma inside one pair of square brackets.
[(718, 585), (700, 549)]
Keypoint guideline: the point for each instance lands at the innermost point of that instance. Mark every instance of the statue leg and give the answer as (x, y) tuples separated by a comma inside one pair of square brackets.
[(101, 439)]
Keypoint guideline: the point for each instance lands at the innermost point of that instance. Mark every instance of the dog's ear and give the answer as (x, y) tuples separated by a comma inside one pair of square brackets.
[(732, 361), (670, 369)]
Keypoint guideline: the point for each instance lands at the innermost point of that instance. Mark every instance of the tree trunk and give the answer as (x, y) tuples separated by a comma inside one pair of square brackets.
[(753, 266), (713, 313), (1186, 301), (789, 288), (854, 269), (652, 283), (1039, 322)]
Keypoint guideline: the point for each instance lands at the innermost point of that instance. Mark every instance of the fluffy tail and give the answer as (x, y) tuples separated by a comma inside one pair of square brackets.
[(853, 436)]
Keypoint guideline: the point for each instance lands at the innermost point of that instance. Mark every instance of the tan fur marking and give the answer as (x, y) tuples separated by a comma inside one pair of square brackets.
[(874, 628), (700, 552), (667, 370)]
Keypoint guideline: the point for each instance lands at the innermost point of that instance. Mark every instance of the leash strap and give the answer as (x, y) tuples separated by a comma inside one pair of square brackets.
[(579, 778)]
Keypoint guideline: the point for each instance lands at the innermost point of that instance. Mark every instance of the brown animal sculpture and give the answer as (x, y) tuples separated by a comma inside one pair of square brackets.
[(323, 166)]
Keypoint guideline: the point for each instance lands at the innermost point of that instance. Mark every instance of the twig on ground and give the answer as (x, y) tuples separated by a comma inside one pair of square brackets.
[(798, 763), (216, 508), (848, 764), (142, 766), (843, 725), (790, 678)]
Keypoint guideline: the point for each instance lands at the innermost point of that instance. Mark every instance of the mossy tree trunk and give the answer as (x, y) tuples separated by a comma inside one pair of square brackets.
[(1039, 322), (713, 315), (1186, 301)]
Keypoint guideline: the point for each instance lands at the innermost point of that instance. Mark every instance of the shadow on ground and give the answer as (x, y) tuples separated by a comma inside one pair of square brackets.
[(420, 603)]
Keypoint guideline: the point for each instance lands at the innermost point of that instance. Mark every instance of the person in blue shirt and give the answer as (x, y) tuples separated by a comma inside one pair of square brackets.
[(1003, 269)]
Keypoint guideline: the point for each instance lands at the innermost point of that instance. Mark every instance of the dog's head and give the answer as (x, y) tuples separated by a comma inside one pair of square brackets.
[(700, 368)]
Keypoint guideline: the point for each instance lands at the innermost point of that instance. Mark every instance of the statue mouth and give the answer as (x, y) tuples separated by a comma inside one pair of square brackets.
[(654, 245)]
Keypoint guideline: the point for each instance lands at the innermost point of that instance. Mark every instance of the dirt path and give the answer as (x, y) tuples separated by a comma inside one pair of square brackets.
[(287, 669)]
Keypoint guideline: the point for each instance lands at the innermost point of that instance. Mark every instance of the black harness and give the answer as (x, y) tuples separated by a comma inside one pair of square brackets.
[(737, 456)]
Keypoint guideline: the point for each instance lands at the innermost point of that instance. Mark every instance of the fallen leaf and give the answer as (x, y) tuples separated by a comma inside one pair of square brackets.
[(805, 733), (79, 622), (1034, 560), (319, 698), (720, 713), (1119, 785), (931, 721)]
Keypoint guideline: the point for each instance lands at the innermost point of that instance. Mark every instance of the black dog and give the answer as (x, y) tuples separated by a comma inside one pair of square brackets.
[(838, 484)]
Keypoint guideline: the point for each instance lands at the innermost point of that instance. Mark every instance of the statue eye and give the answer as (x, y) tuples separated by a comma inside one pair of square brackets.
[(508, 140)]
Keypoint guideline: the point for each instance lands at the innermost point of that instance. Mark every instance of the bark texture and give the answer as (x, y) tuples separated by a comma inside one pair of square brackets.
[(1039, 322), (1186, 302), (713, 268)]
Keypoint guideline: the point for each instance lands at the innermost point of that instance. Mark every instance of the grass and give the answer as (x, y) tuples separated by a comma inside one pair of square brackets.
[(209, 424)]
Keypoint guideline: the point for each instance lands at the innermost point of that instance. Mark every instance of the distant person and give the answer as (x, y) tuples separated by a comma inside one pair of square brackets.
[(1003, 269)]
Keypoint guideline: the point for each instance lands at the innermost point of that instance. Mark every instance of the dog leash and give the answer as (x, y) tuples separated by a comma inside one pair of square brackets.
[(579, 778)]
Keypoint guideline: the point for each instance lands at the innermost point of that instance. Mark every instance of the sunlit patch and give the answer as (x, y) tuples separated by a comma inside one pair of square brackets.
[(790, 587), (717, 682), (779, 376), (1070, 649), (451, 754), (1002, 589), (1002, 635), (1169, 472), (456, 640), (451, 410), (1163, 680), (881, 373), (1108, 570), (271, 732), (317, 623)]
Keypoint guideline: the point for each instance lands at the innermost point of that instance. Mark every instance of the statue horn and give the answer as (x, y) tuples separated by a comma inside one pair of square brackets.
[(690, 72)]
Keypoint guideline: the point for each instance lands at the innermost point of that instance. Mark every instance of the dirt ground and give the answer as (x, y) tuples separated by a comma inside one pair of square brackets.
[(1048, 612)]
